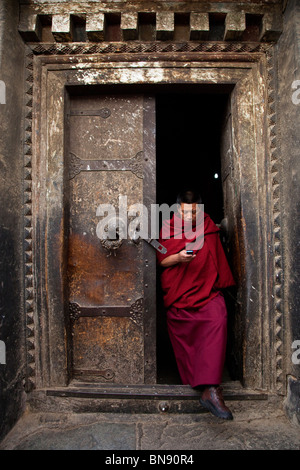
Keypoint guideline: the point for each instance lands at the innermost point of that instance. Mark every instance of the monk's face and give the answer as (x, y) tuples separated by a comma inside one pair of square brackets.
[(189, 211)]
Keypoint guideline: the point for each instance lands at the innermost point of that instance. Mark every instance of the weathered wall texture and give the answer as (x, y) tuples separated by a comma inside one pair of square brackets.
[(11, 164), (289, 112)]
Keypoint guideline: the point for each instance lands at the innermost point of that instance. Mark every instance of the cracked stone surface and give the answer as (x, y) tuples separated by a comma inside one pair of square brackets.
[(256, 426)]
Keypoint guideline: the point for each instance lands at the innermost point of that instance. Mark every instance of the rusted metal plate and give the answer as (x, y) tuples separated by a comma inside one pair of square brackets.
[(134, 164), (106, 278)]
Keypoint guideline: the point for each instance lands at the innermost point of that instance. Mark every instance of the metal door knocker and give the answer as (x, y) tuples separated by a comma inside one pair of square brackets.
[(114, 231)]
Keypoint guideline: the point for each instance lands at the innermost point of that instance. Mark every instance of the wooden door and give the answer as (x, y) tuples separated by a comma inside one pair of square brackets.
[(228, 171), (232, 239), (111, 282)]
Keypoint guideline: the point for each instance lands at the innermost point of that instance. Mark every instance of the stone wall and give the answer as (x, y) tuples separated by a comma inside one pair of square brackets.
[(289, 112), (11, 217)]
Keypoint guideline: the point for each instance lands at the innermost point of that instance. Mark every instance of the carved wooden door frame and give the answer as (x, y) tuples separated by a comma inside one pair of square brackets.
[(49, 72)]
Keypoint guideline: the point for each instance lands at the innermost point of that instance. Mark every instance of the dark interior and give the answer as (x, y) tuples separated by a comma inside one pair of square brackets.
[(188, 127)]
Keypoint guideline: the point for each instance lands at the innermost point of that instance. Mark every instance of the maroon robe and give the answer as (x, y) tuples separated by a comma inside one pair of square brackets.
[(196, 310)]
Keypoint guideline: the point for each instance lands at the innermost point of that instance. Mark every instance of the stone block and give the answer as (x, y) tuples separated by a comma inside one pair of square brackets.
[(235, 25), (92, 436), (271, 28), (129, 26), (62, 28), (30, 28), (95, 27), (292, 401), (199, 26), (165, 26)]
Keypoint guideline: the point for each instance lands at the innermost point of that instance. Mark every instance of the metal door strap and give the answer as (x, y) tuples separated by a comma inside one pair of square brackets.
[(158, 246)]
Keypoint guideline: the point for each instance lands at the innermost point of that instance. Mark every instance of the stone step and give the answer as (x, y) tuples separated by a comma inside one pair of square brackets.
[(231, 390), (91, 397)]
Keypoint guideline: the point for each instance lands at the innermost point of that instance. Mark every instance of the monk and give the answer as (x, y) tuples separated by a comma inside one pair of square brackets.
[(192, 288)]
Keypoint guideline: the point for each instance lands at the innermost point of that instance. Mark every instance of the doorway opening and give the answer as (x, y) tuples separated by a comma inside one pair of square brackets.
[(188, 139), (189, 125)]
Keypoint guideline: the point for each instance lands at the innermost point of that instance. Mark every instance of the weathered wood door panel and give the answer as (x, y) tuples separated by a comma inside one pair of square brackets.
[(227, 165), (111, 145), (232, 215)]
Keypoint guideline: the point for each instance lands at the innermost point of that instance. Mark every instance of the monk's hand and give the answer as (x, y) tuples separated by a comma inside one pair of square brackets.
[(184, 257)]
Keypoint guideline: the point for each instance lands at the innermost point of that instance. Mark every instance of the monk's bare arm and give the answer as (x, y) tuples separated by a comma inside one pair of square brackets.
[(181, 257)]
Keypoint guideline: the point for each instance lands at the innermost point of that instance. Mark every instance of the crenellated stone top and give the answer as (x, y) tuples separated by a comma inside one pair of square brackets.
[(150, 21)]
